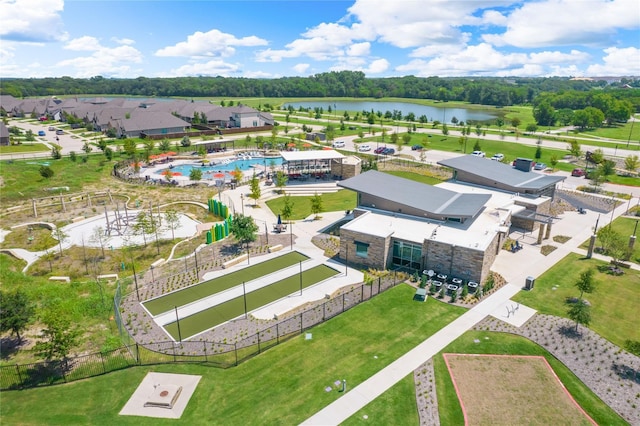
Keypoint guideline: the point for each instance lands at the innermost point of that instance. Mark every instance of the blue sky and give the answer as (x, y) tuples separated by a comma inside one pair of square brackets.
[(270, 39)]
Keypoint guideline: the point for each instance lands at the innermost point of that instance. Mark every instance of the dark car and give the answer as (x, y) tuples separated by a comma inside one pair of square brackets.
[(578, 172), (41, 133), (416, 148), (389, 151), (59, 132), (379, 149)]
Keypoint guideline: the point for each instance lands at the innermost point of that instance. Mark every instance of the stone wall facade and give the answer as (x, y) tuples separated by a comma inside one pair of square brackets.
[(378, 252)]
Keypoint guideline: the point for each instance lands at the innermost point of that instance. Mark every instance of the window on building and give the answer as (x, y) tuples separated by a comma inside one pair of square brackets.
[(362, 249), (407, 254)]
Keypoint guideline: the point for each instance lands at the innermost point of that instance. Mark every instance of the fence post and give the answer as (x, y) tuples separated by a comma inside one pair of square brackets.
[(138, 354), (300, 323), (277, 334), (204, 348), (235, 349), (342, 302), (19, 375), (104, 367), (324, 311), (379, 278), (258, 334)]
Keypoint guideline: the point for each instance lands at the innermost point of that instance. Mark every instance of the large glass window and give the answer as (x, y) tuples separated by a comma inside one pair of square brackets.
[(407, 254), (362, 249)]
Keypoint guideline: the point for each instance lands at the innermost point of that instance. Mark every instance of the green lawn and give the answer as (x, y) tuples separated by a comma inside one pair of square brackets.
[(499, 343), (283, 386), (344, 199), (397, 406), (24, 148), (613, 305), (196, 292), (624, 226), (216, 315), (22, 178)]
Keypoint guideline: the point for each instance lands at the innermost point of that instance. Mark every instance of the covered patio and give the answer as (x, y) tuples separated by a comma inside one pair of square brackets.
[(319, 164)]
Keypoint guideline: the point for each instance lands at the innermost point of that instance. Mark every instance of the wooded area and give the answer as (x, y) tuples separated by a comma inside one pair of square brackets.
[(484, 90)]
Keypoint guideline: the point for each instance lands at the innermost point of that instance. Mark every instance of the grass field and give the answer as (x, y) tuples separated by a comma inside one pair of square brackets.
[(524, 390), (624, 226), (613, 305), (218, 314), (196, 292), (476, 342), (23, 148), (344, 199), (282, 386)]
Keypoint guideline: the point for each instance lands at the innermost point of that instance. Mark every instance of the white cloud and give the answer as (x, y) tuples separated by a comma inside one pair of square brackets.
[(106, 61), (617, 61), (85, 43), (32, 20), (567, 22), (493, 17), (378, 66), (359, 49), (484, 59), (211, 43), (301, 68), (213, 67), (126, 41)]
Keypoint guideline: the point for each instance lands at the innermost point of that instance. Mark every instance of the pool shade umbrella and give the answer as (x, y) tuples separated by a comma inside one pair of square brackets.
[(291, 145), (279, 220), (218, 175)]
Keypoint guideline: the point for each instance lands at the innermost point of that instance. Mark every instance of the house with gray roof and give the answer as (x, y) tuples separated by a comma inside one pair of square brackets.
[(142, 123), (453, 229), (494, 174)]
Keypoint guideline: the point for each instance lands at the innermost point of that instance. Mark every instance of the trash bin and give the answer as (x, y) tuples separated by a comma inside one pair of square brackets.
[(529, 283)]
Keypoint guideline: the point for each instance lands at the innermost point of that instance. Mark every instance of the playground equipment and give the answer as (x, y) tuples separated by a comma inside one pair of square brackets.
[(219, 231)]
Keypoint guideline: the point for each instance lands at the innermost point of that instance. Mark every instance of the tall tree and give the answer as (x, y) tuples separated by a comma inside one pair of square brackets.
[(287, 208), (316, 205), (59, 335), (586, 282), (100, 237), (254, 188), (243, 228), (281, 179), (172, 219), (61, 236), (16, 312), (580, 313), (544, 114), (195, 174)]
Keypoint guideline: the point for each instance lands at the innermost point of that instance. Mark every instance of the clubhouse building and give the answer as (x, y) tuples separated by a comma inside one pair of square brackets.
[(456, 228)]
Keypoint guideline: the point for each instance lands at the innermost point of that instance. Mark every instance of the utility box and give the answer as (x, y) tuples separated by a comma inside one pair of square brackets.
[(524, 164), (529, 283)]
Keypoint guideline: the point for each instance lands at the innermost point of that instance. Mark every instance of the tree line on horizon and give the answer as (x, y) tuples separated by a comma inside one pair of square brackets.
[(493, 91)]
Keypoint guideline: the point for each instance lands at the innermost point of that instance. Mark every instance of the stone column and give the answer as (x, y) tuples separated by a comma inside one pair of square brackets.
[(541, 233), (548, 233), (35, 209), (632, 242), (592, 243)]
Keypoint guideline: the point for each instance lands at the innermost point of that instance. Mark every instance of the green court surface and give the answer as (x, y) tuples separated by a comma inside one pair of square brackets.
[(218, 314), (199, 291)]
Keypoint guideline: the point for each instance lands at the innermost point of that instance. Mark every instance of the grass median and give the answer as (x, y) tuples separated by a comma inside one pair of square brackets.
[(207, 288), (218, 314)]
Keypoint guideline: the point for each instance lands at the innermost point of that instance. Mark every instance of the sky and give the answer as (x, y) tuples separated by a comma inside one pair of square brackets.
[(272, 39)]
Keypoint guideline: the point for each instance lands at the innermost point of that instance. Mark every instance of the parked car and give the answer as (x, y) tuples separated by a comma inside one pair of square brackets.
[(498, 157), (59, 132), (338, 144), (364, 148), (41, 133), (578, 172), (540, 166), (51, 128), (478, 154), (379, 150), (43, 118), (416, 148), (389, 151)]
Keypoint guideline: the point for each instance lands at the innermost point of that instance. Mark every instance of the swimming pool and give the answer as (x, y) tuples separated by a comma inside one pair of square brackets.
[(225, 167)]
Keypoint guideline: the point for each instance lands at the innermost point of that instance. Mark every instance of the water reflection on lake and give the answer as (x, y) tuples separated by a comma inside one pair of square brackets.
[(442, 114)]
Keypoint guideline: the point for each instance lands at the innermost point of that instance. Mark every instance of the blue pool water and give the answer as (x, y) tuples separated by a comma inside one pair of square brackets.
[(243, 164)]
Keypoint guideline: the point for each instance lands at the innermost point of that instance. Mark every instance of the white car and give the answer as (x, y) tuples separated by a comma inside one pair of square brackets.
[(338, 144), (478, 154), (364, 148), (498, 157)]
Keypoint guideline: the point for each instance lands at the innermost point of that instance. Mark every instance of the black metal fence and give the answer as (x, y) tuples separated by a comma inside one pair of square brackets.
[(215, 354)]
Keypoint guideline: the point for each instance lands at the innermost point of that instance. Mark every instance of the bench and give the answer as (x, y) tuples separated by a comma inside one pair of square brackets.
[(62, 279), (275, 248), (234, 261), (108, 277)]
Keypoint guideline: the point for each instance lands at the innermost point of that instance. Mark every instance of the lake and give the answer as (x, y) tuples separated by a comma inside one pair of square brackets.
[(442, 114)]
